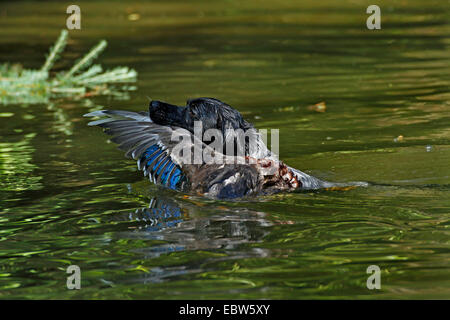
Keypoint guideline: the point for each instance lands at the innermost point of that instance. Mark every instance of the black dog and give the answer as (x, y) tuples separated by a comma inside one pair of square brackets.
[(146, 137), (213, 113)]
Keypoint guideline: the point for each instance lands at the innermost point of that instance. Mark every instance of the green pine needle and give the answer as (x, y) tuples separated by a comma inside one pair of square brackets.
[(87, 60), (55, 51), (18, 85)]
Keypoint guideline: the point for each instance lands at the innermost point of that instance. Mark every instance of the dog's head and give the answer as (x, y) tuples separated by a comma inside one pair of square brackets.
[(213, 114)]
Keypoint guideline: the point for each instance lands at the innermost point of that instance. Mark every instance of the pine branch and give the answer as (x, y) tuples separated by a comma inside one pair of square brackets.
[(55, 51), (87, 59), (119, 74), (92, 71), (18, 85)]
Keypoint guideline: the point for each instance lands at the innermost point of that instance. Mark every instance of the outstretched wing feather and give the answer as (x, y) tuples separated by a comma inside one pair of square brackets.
[(145, 141)]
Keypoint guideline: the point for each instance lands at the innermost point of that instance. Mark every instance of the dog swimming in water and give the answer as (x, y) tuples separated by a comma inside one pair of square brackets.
[(247, 168)]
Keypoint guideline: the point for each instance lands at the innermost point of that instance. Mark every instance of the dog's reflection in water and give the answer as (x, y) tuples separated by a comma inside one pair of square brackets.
[(221, 234)]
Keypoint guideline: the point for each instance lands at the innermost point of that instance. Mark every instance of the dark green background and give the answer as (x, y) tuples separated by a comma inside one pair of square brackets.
[(68, 197)]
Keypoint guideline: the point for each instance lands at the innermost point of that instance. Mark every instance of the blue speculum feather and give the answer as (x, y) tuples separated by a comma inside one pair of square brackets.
[(158, 172), (166, 172), (171, 175), (153, 157), (157, 164), (175, 178)]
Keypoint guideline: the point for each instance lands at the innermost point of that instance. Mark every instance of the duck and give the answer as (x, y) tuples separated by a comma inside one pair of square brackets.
[(153, 139)]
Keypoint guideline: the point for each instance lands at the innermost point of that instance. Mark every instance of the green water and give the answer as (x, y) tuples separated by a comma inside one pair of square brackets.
[(69, 197)]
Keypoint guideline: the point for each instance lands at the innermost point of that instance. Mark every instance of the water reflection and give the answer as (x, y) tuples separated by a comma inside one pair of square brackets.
[(185, 226), (16, 167), (63, 199)]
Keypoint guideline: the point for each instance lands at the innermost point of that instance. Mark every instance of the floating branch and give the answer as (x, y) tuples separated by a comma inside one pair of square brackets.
[(92, 71), (18, 85), (55, 51), (87, 60), (120, 74)]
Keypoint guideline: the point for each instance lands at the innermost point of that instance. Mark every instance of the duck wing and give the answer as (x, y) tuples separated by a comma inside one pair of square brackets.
[(157, 155), (149, 143)]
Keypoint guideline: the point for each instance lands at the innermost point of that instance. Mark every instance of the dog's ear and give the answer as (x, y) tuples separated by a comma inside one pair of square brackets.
[(231, 118), (217, 114)]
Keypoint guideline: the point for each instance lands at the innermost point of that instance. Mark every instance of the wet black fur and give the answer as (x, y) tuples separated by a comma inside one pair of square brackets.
[(213, 113)]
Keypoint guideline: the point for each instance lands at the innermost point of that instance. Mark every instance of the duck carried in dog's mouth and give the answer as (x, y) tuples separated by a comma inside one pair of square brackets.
[(170, 150)]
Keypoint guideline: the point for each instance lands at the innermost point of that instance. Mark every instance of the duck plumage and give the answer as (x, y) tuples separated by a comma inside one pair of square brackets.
[(147, 137)]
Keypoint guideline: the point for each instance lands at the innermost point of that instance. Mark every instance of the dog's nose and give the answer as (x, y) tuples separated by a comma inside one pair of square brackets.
[(159, 105), (165, 114), (154, 104), (155, 110)]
